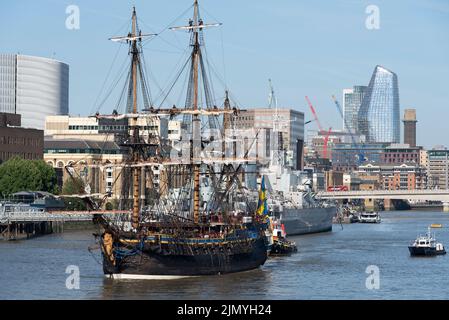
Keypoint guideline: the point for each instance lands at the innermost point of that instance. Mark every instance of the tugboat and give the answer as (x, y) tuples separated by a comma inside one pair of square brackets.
[(426, 246), (279, 245)]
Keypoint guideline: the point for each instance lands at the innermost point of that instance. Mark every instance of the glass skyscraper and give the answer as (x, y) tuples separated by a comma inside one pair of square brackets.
[(352, 100), (379, 113)]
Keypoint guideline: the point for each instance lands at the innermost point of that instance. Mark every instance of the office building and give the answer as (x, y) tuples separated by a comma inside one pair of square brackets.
[(423, 158), (352, 100), (438, 168), (379, 113), (101, 129), (33, 87), (19, 142), (347, 157), (289, 122), (318, 140)]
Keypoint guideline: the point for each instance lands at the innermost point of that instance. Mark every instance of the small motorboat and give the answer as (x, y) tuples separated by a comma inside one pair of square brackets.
[(426, 246), (369, 217), (354, 218)]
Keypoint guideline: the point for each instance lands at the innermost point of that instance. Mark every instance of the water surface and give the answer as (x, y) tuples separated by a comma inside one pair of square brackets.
[(328, 266)]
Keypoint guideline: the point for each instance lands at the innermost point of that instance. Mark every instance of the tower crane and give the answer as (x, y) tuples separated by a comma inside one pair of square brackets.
[(320, 128), (272, 101), (314, 114)]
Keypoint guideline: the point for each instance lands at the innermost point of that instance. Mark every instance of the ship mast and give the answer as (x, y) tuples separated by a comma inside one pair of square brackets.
[(195, 26), (135, 152), (133, 38), (196, 122)]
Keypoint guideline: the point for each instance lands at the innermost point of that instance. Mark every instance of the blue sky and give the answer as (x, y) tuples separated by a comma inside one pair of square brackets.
[(313, 48)]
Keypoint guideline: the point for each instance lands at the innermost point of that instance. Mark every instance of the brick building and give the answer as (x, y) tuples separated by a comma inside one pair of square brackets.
[(406, 176), (401, 153), (19, 142)]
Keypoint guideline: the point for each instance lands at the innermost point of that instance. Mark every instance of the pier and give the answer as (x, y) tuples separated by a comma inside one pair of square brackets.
[(23, 223)]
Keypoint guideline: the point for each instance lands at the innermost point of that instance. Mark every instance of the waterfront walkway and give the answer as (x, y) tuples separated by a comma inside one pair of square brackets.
[(23, 221), (41, 216), (24, 214)]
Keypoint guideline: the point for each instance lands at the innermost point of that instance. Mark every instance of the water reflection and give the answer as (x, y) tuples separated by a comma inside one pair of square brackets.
[(245, 285)]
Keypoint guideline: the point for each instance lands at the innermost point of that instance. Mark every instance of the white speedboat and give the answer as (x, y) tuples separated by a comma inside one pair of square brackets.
[(369, 217)]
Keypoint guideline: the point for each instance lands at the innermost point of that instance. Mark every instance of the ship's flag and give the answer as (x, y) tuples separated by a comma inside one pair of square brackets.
[(262, 208)]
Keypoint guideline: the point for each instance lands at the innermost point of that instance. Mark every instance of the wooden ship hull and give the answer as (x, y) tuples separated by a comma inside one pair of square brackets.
[(149, 260)]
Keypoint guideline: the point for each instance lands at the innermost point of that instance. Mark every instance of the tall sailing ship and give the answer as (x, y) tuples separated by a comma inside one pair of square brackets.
[(200, 223)]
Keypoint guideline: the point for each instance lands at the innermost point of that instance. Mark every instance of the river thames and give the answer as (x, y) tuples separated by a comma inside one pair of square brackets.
[(329, 265)]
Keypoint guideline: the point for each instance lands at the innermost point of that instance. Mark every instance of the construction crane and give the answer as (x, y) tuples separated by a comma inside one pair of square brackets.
[(360, 155), (320, 128), (272, 101), (340, 110), (314, 114)]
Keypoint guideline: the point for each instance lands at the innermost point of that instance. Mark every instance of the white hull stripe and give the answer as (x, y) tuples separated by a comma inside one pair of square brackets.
[(119, 276)]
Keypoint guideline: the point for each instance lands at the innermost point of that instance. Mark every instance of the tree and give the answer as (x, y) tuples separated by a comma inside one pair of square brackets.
[(113, 204), (74, 186), (109, 206), (19, 174), (48, 181)]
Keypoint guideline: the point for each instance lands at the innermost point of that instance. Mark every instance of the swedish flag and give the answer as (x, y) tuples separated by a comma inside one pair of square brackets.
[(262, 208)]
